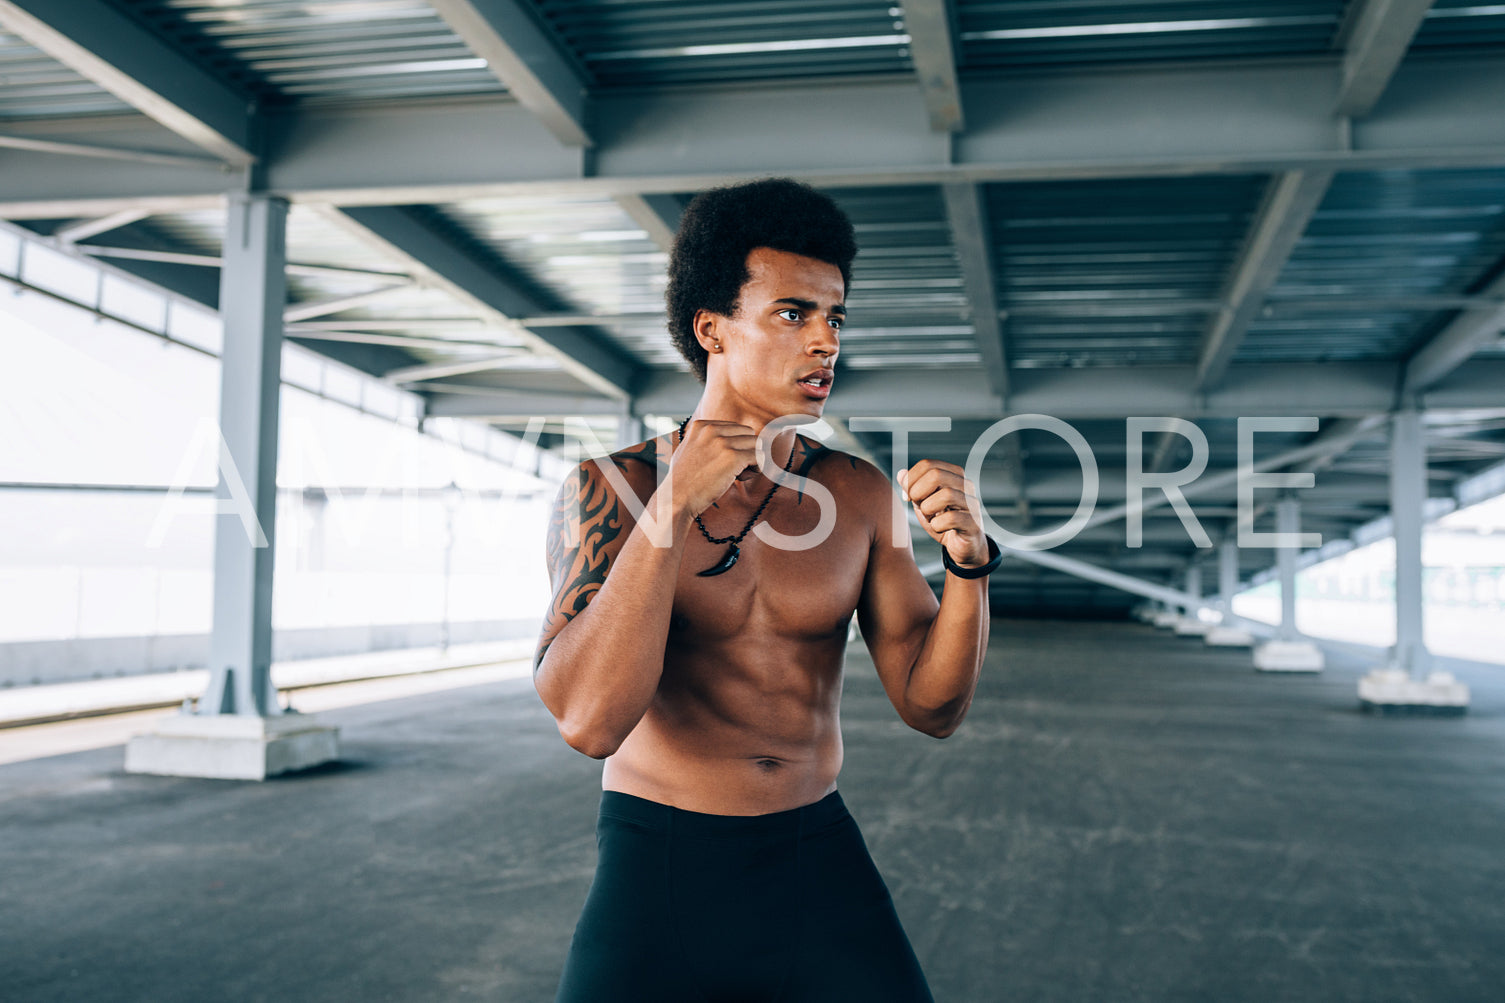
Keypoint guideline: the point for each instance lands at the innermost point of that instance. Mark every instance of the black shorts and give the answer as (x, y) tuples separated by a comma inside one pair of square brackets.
[(778, 908)]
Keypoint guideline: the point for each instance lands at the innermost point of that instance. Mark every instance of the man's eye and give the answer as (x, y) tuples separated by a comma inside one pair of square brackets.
[(790, 314), (838, 322)]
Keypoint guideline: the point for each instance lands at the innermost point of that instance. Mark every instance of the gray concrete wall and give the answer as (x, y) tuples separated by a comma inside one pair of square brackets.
[(29, 663)]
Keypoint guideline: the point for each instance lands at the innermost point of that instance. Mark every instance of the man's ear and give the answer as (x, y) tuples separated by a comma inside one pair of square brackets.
[(707, 328)]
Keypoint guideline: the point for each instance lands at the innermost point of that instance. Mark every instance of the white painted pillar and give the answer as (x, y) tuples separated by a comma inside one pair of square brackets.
[(1410, 681), (1193, 586), (1289, 651), (630, 429), (1227, 573), (1408, 495), (253, 294), (1189, 624), (1288, 523), (1228, 634), (239, 730)]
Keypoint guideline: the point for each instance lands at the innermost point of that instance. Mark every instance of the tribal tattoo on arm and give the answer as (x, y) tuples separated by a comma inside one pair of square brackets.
[(587, 519)]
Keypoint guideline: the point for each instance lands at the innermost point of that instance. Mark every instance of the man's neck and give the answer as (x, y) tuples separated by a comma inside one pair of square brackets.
[(715, 406)]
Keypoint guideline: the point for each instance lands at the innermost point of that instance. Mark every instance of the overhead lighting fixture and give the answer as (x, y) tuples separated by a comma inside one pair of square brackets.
[(745, 48), (1147, 27)]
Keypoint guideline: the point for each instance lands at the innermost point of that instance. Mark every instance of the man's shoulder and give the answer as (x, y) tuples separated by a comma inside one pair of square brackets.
[(640, 458), (633, 467), (839, 470)]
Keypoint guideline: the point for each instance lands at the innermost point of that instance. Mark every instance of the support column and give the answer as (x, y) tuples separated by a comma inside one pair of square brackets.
[(630, 428), (253, 292), (1408, 682), (1189, 624), (1408, 496), (238, 729), (1228, 634), (1289, 651), (1287, 523), (1166, 614), (1228, 572)]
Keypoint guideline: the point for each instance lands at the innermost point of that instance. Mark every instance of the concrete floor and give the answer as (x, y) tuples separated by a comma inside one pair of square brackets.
[(1125, 816)]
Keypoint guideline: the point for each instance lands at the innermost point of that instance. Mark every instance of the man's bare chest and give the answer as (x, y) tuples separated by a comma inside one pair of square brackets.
[(795, 579)]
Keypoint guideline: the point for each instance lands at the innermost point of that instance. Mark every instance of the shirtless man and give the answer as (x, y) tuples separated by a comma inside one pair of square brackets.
[(728, 867)]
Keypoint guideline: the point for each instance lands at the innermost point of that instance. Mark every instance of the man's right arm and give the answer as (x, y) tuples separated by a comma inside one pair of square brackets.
[(601, 652)]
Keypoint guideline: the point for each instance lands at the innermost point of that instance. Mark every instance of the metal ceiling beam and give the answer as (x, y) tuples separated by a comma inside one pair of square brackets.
[(1470, 331), (463, 324), (114, 51), (86, 228), (322, 308), (932, 48), (907, 316), (1093, 573), (395, 340), (1119, 123), (406, 236), (441, 370), (516, 405), (525, 58), (658, 215), (1288, 206), (35, 145), (197, 285), (1336, 439), (215, 261), (1295, 389), (966, 211), (1378, 33), (1057, 489)]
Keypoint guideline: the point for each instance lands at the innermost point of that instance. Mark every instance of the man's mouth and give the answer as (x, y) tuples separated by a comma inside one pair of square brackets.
[(818, 382)]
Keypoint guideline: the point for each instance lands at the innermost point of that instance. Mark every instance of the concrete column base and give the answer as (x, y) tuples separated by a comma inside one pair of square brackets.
[(1190, 626), (1166, 618), (1288, 656), (1223, 636), (1391, 690), (231, 746)]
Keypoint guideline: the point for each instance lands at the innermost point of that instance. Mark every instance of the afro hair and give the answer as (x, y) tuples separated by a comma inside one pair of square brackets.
[(708, 265)]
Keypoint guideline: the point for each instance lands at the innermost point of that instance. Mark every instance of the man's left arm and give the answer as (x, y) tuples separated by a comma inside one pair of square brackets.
[(928, 653)]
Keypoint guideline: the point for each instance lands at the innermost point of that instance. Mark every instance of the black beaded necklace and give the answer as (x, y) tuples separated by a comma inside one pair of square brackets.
[(734, 551)]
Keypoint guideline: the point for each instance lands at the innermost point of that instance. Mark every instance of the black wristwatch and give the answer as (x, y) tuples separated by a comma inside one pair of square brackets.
[(995, 558)]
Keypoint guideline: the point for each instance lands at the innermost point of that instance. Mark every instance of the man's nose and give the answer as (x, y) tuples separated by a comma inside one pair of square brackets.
[(824, 339)]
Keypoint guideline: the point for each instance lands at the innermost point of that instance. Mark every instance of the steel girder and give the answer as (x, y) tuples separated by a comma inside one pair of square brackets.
[(523, 56), (1108, 124), (483, 286), (104, 45)]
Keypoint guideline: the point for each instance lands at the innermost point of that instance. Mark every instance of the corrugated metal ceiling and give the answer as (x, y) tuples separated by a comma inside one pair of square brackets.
[(698, 41), (1115, 273), (1090, 273), (1379, 239), (1461, 25), (287, 50), (999, 34), (586, 252), (33, 85), (907, 302), (424, 321)]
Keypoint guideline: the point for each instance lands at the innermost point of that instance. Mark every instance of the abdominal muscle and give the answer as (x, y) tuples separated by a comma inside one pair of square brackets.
[(730, 739)]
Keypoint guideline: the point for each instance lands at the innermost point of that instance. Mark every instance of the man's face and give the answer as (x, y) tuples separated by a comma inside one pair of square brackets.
[(778, 351)]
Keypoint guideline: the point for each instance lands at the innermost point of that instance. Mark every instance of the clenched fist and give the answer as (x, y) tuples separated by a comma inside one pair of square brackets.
[(947, 506), (709, 459)]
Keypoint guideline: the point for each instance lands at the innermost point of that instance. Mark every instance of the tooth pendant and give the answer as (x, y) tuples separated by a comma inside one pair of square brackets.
[(722, 566)]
